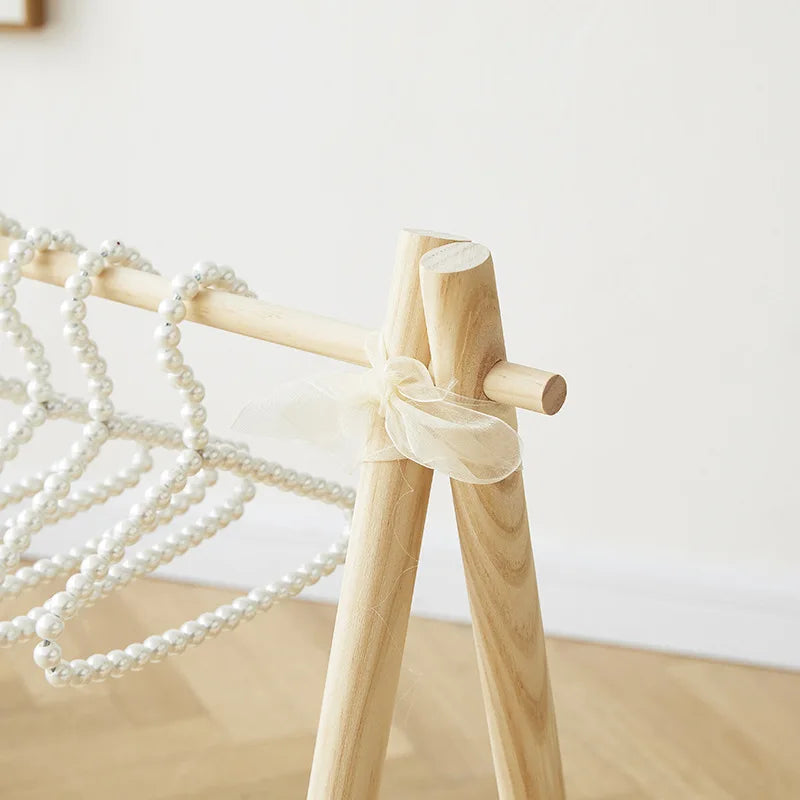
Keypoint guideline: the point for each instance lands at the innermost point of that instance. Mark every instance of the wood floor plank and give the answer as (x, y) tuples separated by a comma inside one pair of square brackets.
[(236, 718)]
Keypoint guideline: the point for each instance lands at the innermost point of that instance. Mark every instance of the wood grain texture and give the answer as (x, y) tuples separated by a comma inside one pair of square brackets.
[(466, 339), (386, 533), (525, 387), (235, 718)]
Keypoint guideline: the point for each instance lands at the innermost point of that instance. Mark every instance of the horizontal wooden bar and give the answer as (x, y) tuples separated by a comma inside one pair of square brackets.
[(507, 383)]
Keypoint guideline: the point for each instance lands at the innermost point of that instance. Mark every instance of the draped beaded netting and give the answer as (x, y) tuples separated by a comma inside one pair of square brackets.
[(100, 567), (411, 413)]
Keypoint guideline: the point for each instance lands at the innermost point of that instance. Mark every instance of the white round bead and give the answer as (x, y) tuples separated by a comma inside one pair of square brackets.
[(20, 252), (49, 626), (101, 666), (186, 286), (73, 310), (167, 334), (262, 597), (174, 479), (139, 655), (59, 675), (78, 286), (194, 631), (190, 461), (194, 393), (10, 273), (82, 672), (94, 567), (101, 386), (158, 647), (9, 320), (113, 251), (17, 537), (90, 262), (183, 378), (75, 333), (8, 633), (39, 391), (34, 413), (158, 496), (245, 606), (121, 662), (211, 622), (172, 310), (56, 485), (100, 409), (40, 238), (195, 439), (63, 239), (194, 415), (63, 604), (7, 297), (229, 615), (170, 359), (110, 549), (25, 625), (176, 641), (47, 654)]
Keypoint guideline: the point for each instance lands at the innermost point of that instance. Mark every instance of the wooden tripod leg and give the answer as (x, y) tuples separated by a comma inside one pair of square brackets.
[(372, 618), (466, 340)]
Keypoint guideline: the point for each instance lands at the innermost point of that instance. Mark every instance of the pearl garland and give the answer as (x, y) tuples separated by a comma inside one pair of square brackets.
[(219, 452), (103, 567), (38, 389), (46, 506)]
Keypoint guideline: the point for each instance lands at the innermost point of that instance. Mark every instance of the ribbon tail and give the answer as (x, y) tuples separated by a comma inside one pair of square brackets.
[(324, 411)]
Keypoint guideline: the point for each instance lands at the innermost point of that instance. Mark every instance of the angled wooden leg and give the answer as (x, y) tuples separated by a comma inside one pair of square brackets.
[(466, 340), (372, 618)]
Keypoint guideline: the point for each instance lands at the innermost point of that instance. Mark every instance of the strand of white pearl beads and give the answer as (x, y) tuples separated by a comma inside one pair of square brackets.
[(51, 567), (44, 506), (49, 627), (95, 567), (231, 456), (22, 628), (38, 389), (79, 500)]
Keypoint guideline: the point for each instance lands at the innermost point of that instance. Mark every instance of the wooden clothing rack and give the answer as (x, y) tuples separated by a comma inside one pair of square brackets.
[(443, 310)]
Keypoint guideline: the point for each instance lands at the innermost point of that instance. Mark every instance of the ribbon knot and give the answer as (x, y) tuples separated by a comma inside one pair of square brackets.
[(425, 423)]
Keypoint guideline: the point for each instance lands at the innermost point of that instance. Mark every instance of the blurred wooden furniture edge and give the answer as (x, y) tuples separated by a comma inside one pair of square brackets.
[(34, 17), (465, 333), (505, 382)]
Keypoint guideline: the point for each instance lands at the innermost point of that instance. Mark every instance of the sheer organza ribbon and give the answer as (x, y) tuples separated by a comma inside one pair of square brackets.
[(433, 426)]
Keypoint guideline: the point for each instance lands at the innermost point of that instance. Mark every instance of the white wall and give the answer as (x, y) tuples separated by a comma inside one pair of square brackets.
[(634, 168)]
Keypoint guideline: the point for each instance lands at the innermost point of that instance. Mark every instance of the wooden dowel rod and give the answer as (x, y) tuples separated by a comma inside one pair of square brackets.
[(466, 337), (507, 383)]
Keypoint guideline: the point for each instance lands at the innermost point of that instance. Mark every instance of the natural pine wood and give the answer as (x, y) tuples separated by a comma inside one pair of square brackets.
[(525, 387), (466, 339), (235, 718), (385, 539)]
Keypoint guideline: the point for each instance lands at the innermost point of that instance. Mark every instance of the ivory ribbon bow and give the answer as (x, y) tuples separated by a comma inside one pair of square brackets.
[(433, 426)]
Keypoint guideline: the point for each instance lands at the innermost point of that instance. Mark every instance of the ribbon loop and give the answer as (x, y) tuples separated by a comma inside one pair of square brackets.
[(432, 426)]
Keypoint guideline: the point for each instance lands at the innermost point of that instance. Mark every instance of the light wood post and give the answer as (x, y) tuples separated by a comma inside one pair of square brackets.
[(466, 340), (372, 618)]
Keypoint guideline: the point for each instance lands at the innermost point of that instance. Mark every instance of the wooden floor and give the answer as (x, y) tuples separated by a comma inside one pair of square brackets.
[(236, 717)]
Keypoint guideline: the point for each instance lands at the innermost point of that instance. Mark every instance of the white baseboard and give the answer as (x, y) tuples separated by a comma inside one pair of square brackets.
[(721, 614)]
